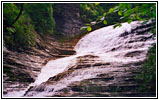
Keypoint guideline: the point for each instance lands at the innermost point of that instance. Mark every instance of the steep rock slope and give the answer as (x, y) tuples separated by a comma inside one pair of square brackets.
[(103, 66), (67, 18), (20, 68)]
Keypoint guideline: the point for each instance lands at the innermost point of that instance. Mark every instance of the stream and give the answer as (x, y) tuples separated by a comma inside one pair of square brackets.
[(107, 53)]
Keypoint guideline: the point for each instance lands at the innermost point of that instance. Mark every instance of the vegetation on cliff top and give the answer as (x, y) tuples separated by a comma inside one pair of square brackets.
[(35, 18)]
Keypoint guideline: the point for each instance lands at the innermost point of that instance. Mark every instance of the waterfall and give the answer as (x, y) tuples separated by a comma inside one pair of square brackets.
[(108, 43), (106, 47)]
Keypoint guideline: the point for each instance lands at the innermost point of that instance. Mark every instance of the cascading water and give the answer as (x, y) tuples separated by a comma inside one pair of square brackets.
[(106, 46)]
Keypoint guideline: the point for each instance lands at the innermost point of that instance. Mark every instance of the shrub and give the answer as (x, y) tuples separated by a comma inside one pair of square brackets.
[(42, 17), (21, 34), (147, 77)]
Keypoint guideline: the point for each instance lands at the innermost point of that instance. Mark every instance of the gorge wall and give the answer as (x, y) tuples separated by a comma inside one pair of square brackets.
[(67, 18)]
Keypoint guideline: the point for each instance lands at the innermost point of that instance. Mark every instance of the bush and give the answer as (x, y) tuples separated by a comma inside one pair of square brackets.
[(147, 77), (10, 12), (90, 11), (25, 34), (21, 34), (42, 17), (93, 11)]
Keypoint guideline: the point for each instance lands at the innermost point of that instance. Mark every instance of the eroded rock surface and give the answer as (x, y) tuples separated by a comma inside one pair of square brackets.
[(21, 68), (104, 66)]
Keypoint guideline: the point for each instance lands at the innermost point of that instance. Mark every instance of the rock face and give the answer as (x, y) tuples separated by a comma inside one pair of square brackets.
[(104, 66), (20, 68), (107, 80), (67, 18), (114, 80)]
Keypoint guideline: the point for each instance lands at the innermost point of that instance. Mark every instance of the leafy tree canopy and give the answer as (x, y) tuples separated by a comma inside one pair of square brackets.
[(128, 12)]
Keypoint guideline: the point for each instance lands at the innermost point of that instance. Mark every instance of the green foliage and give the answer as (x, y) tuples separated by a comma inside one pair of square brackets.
[(34, 18), (21, 34), (111, 10), (129, 21), (11, 30), (104, 14), (97, 13), (128, 12), (83, 28), (89, 28), (10, 12), (24, 35), (90, 11), (147, 77), (137, 11), (119, 13), (105, 22), (42, 17), (117, 24)]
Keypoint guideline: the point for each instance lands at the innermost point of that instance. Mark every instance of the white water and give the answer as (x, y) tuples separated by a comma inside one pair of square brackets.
[(52, 68), (98, 43)]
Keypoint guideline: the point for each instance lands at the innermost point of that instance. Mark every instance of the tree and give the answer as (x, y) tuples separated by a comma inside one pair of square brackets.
[(128, 12)]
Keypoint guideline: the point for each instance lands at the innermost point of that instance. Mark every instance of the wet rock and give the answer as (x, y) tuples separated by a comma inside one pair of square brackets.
[(78, 89), (133, 53), (107, 72), (60, 75), (82, 66), (101, 64), (141, 29), (22, 68), (103, 79), (67, 52), (28, 90)]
